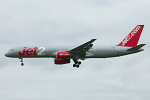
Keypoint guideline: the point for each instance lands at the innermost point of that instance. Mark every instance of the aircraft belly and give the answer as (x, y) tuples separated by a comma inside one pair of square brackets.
[(104, 54)]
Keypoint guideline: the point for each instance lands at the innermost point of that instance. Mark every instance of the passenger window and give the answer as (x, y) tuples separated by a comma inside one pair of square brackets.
[(11, 50)]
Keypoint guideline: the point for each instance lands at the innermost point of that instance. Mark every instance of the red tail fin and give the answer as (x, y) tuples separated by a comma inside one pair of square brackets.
[(131, 40)]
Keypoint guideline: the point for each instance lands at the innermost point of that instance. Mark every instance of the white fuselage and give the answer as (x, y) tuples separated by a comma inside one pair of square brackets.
[(50, 52)]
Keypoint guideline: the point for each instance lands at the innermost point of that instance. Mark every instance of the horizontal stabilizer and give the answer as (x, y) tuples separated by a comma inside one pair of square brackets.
[(136, 47)]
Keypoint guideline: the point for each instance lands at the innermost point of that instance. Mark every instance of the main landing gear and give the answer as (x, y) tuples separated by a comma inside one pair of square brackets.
[(21, 61), (77, 63)]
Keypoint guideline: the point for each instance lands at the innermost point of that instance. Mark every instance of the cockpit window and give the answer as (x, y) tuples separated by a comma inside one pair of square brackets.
[(11, 50)]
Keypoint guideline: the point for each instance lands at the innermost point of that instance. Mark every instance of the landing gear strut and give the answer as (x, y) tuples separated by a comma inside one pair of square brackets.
[(21, 61), (77, 63)]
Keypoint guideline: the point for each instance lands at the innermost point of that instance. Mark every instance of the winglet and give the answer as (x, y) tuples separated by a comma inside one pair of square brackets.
[(131, 40), (93, 39)]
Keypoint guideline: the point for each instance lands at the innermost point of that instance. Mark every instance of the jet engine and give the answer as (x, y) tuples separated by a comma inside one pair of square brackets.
[(62, 54), (61, 61)]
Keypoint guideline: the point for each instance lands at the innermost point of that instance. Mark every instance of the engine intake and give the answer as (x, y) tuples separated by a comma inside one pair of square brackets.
[(61, 61)]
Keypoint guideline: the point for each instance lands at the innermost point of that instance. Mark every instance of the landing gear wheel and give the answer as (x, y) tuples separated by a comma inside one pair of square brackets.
[(22, 64), (77, 66), (21, 61), (74, 65), (79, 62)]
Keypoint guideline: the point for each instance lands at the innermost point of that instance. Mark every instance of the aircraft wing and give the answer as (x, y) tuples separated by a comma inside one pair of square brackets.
[(84, 47)]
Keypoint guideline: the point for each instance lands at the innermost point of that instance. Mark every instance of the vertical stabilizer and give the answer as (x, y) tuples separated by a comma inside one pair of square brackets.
[(131, 40)]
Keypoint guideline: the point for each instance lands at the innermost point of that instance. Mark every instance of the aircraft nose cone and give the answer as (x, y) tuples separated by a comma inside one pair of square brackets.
[(6, 54)]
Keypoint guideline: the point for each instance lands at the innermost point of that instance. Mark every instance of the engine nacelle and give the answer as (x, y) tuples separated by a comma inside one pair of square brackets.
[(61, 61), (62, 54)]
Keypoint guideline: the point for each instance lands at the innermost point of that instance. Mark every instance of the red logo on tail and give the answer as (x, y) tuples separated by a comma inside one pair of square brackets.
[(131, 40), (128, 37)]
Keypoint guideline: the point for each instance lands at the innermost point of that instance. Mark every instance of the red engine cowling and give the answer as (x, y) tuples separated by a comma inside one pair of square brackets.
[(61, 61), (62, 54)]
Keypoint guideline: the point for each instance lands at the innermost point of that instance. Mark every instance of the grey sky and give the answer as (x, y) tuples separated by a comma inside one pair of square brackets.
[(73, 22)]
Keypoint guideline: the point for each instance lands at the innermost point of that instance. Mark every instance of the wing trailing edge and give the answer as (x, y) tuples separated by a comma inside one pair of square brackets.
[(84, 47)]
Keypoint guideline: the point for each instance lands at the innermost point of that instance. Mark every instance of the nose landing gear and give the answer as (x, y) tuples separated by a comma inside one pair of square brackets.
[(22, 64), (21, 61)]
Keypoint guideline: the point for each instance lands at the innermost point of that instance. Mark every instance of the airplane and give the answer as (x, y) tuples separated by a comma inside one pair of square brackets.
[(63, 55)]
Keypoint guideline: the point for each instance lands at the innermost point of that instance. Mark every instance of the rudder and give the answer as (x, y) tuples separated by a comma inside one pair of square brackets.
[(131, 40)]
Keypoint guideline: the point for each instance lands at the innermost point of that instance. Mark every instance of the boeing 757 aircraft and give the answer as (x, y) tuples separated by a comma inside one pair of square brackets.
[(63, 55)]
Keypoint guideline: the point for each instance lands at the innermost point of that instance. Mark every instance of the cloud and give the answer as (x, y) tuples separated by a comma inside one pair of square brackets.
[(62, 23)]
